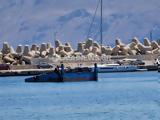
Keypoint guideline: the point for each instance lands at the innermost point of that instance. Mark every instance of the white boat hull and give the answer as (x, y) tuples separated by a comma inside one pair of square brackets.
[(116, 68)]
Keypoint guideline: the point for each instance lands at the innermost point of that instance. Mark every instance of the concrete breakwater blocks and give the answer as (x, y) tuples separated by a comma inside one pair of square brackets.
[(25, 54)]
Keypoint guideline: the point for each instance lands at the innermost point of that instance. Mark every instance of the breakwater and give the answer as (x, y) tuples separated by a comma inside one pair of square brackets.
[(23, 55)]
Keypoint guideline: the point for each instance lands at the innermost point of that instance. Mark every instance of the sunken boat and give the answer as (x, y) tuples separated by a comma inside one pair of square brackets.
[(78, 74)]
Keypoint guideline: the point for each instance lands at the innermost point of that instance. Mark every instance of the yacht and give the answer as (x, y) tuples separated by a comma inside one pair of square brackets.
[(105, 68)]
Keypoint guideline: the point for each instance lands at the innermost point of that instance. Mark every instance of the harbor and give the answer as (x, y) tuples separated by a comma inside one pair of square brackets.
[(36, 71), (79, 60), (45, 58)]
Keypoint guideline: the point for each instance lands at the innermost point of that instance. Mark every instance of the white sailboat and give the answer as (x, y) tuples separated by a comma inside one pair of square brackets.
[(104, 68)]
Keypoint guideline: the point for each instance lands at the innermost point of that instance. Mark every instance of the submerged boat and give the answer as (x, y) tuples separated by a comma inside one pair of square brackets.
[(105, 68), (67, 75)]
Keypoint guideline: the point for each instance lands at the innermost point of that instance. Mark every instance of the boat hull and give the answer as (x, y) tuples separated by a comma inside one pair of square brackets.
[(67, 77), (107, 69), (158, 68), (73, 75)]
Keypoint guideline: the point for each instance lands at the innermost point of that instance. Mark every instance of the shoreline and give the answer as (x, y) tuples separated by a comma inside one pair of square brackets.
[(32, 72)]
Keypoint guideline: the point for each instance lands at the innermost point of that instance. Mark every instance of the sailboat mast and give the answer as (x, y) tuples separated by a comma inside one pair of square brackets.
[(101, 26), (55, 38)]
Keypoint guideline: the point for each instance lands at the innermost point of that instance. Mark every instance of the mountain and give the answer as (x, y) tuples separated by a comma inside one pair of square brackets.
[(35, 21)]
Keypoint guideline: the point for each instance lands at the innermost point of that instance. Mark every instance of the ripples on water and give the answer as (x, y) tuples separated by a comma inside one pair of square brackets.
[(133, 96)]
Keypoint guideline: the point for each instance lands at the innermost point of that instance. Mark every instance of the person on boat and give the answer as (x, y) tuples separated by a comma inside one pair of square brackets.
[(57, 71)]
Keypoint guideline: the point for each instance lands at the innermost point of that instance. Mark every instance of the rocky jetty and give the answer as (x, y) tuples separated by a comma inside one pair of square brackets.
[(23, 55)]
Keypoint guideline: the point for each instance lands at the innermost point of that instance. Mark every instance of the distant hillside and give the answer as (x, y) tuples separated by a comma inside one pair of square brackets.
[(35, 21)]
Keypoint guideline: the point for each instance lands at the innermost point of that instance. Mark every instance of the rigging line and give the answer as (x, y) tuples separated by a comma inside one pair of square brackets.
[(93, 19), (96, 36)]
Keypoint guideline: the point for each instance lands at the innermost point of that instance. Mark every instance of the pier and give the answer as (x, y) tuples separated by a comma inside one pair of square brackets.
[(21, 72)]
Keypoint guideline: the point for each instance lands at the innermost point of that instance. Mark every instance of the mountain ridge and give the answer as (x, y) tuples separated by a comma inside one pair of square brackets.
[(28, 22)]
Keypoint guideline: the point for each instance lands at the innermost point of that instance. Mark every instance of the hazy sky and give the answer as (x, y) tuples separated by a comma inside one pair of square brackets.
[(135, 17), (62, 6)]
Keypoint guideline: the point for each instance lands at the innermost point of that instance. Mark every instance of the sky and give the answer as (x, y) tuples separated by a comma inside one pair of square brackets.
[(28, 21)]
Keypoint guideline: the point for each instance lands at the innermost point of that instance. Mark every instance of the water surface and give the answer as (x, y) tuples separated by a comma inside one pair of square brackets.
[(116, 96)]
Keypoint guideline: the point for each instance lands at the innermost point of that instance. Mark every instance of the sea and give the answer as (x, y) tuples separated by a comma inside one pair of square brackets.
[(116, 96)]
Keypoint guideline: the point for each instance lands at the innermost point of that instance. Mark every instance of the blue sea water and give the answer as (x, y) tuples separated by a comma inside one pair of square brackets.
[(116, 96)]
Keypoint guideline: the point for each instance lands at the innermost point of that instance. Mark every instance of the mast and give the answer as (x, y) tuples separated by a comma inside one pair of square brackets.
[(101, 26), (55, 38)]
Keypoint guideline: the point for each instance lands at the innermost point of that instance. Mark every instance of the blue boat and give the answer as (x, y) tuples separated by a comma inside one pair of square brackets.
[(71, 75)]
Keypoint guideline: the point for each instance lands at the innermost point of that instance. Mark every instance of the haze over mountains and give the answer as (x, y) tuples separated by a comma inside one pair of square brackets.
[(35, 21)]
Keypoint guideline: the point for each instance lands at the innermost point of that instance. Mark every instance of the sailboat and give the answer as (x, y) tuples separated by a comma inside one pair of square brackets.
[(104, 68)]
